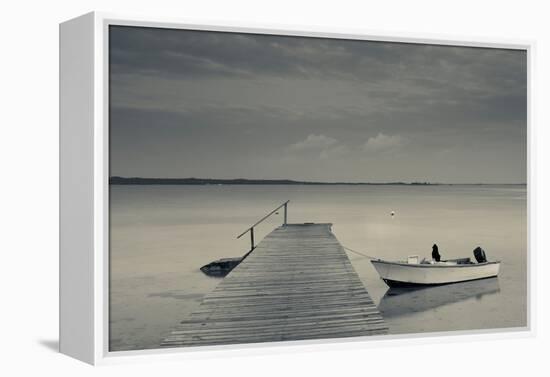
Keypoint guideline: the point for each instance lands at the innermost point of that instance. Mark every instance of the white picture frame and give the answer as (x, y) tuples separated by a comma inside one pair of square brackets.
[(84, 157)]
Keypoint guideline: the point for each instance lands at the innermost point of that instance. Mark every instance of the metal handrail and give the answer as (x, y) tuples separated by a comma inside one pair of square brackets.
[(251, 229)]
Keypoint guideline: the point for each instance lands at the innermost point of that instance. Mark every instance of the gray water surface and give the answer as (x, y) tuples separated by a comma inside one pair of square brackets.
[(161, 235)]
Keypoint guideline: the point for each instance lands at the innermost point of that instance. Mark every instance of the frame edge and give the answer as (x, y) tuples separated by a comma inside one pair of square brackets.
[(76, 195)]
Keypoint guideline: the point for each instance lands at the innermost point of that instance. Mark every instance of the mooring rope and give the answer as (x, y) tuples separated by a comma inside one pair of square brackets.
[(360, 253)]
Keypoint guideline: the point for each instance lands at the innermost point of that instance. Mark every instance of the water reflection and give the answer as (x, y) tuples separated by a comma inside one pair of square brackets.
[(402, 301)]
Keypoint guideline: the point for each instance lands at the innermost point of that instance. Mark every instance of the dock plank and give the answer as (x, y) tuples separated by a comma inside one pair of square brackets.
[(297, 284)]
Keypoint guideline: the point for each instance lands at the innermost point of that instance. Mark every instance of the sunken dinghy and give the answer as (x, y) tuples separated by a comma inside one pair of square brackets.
[(414, 273), (221, 267)]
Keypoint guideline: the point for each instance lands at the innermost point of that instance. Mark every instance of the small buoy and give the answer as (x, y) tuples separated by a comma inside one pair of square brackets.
[(392, 213)]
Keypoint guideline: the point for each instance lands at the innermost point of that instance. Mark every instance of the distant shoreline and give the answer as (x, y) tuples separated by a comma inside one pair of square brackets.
[(115, 180)]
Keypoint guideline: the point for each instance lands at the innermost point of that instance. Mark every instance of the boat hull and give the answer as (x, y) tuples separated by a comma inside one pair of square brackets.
[(397, 274)]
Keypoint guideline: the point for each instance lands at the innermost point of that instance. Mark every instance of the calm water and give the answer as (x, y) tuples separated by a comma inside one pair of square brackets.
[(161, 235)]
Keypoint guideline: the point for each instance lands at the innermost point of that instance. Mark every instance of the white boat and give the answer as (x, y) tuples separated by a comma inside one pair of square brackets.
[(412, 272)]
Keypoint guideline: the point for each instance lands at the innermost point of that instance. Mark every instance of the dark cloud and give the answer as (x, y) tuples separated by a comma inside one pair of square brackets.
[(195, 53), (207, 103), (192, 53)]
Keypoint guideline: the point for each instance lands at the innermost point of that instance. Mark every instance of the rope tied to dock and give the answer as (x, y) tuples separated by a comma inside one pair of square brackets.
[(359, 253)]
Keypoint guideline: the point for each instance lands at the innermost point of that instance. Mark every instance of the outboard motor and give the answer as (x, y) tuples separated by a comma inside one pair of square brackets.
[(479, 254)]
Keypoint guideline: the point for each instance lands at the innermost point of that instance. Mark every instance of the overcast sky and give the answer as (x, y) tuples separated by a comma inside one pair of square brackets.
[(223, 105)]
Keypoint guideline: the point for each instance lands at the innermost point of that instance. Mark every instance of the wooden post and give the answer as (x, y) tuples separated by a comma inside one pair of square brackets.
[(286, 204), (251, 239)]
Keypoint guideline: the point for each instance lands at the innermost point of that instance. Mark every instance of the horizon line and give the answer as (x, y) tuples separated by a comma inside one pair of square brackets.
[(293, 181)]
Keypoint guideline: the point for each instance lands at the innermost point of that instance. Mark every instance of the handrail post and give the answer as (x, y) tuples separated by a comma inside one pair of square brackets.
[(251, 239), (251, 229)]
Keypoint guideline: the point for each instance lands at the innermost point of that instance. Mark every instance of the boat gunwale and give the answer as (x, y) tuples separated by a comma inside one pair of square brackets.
[(428, 265), (405, 284)]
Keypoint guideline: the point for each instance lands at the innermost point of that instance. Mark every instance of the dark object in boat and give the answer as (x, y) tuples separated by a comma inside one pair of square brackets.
[(435, 253), (221, 267), (479, 254), (460, 261)]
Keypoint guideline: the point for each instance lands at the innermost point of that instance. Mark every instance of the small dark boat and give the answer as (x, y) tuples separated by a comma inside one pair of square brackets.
[(221, 267)]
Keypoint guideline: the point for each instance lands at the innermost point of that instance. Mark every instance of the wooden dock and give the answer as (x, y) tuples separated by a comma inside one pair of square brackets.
[(298, 283)]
